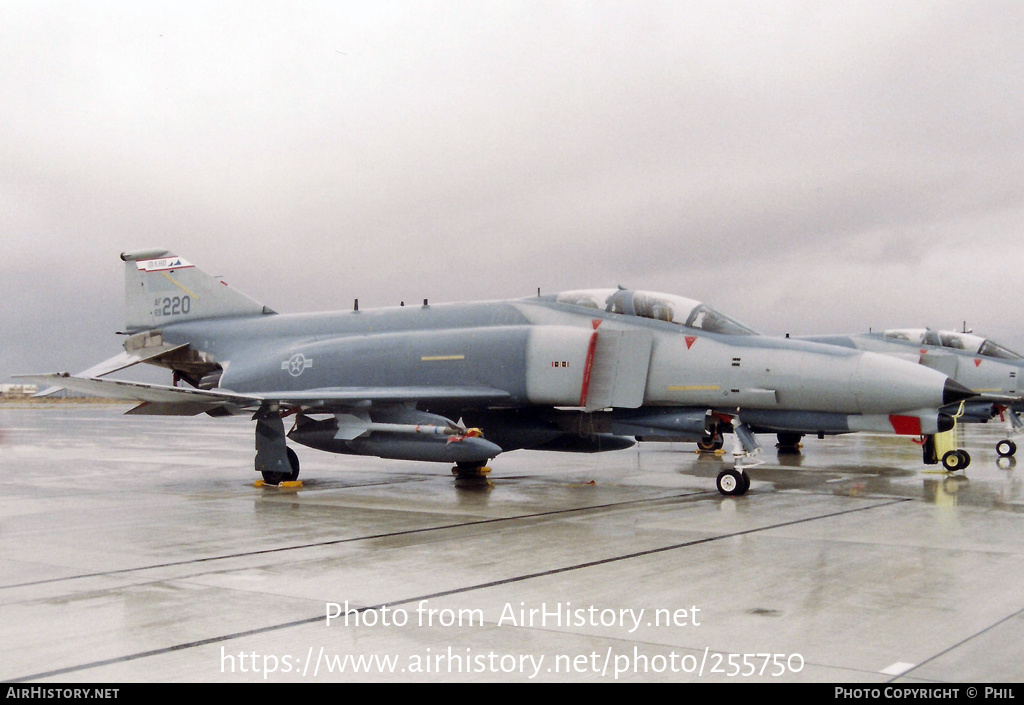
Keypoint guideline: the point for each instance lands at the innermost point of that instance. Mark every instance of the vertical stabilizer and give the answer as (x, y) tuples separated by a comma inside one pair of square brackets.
[(161, 288)]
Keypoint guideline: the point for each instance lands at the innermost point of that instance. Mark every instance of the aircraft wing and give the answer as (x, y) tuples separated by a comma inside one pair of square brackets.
[(158, 399)]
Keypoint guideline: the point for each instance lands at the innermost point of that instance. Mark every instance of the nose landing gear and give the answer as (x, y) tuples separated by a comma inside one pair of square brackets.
[(734, 481)]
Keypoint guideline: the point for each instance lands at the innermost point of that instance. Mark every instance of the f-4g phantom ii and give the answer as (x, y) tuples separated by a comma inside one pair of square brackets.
[(580, 371)]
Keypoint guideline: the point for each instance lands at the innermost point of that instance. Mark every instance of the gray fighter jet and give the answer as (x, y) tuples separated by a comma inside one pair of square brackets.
[(991, 370), (580, 371)]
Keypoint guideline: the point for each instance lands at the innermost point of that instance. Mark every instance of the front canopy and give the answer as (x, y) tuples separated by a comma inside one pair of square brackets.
[(968, 342)]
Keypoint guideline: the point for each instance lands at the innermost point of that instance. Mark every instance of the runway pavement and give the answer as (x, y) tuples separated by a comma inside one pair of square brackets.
[(137, 549)]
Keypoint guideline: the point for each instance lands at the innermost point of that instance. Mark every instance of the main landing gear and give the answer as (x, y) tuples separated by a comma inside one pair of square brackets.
[(275, 461), (1006, 449)]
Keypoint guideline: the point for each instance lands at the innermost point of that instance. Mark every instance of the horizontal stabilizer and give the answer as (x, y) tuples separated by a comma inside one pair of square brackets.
[(138, 391), (118, 362)]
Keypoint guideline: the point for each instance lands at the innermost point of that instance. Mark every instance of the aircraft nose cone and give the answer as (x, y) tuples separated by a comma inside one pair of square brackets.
[(954, 392)]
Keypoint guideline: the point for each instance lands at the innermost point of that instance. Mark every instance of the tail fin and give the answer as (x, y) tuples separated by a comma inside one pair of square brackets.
[(161, 288)]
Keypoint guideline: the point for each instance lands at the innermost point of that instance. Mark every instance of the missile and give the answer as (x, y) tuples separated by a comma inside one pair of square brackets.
[(351, 427), (436, 439)]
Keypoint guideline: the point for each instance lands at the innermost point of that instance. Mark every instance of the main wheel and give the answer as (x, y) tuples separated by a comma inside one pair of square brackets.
[(276, 478), (293, 461), (468, 470), (709, 443), (732, 482), (1006, 449), (789, 440)]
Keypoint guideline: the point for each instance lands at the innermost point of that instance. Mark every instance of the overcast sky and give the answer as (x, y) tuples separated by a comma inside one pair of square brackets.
[(806, 167)]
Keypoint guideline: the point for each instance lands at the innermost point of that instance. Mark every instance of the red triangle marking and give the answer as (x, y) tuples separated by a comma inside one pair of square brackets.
[(977, 362), (690, 340)]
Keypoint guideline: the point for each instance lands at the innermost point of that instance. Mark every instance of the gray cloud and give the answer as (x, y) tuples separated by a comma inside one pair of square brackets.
[(805, 166)]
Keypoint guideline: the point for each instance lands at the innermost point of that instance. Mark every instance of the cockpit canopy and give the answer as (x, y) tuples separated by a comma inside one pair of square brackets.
[(660, 307), (968, 342)]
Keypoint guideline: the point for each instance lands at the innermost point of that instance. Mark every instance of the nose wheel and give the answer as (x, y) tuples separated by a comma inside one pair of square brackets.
[(732, 482)]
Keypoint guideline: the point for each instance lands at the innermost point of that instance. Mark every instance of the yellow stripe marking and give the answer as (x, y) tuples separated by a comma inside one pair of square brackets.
[(171, 280), (441, 358)]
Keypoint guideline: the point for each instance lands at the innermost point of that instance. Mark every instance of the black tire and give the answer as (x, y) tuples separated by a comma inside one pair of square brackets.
[(732, 483), (789, 439), (953, 461), (276, 478), (1006, 449), (708, 443), (966, 457), (293, 461)]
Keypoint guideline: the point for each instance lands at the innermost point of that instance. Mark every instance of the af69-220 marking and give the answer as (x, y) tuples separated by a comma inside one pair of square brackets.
[(173, 306)]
